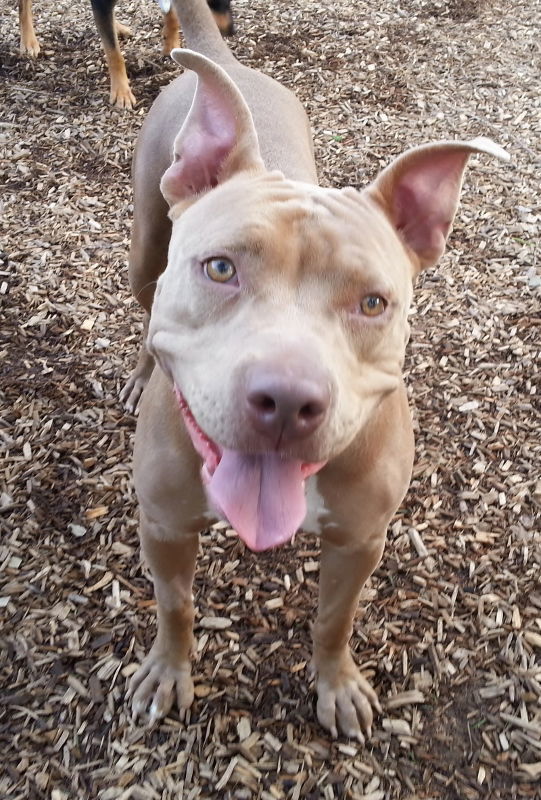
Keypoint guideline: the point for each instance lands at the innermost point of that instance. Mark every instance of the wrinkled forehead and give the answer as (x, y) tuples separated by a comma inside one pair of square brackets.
[(266, 211), (247, 206)]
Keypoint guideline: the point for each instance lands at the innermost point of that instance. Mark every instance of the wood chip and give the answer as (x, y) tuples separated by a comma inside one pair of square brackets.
[(517, 722), (532, 770), (417, 542), (94, 513), (243, 728), (405, 699), (215, 623), (533, 638), (227, 774), (399, 727)]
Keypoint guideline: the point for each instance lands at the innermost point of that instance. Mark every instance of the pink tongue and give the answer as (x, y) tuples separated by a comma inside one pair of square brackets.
[(262, 496)]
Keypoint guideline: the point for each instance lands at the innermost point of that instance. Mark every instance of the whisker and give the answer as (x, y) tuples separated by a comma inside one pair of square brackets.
[(142, 289)]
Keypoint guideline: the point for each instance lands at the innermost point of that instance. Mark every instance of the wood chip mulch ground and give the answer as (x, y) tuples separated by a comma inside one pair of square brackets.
[(449, 629)]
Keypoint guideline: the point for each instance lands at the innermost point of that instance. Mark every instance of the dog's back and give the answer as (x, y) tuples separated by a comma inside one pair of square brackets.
[(280, 120)]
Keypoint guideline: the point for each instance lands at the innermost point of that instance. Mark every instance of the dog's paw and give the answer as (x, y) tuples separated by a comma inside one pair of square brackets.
[(121, 95), (133, 388), (156, 685), (29, 46), (344, 698), (122, 30), (132, 391)]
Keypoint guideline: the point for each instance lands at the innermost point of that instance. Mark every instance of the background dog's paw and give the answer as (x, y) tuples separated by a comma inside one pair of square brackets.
[(345, 699), (122, 30), (121, 94), (29, 46), (156, 685)]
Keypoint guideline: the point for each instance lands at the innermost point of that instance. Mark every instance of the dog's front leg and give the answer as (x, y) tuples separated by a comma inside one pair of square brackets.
[(165, 674), (345, 698)]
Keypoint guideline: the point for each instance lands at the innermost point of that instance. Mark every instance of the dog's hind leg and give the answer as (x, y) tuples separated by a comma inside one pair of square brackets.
[(149, 245), (140, 375)]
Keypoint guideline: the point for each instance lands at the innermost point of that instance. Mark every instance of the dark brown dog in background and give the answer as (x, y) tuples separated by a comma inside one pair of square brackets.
[(109, 30)]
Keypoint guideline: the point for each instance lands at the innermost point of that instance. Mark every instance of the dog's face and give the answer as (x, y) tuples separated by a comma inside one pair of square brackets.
[(281, 318), (286, 278)]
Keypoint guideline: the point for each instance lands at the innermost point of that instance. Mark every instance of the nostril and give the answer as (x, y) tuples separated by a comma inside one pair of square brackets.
[(310, 411), (264, 403)]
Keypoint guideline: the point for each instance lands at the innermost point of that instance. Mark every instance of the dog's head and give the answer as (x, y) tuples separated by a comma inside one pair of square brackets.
[(282, 315)]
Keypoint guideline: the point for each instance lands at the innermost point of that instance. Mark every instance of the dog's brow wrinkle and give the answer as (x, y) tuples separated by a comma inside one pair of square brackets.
[(251, 244), (336, 202), (351, 192)]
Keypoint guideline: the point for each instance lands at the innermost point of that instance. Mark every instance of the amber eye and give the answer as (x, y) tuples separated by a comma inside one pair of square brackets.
[(219, 270), (373, 305)]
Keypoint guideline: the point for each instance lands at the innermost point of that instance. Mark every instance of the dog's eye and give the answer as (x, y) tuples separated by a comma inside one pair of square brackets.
[(373, 305), (219, 270)]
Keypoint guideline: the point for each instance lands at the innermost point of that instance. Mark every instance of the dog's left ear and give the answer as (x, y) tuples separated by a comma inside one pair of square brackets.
[(419, 192), (218, 137)]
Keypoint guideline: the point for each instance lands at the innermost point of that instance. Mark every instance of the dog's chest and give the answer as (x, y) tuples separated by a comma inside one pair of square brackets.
[(318, 515)]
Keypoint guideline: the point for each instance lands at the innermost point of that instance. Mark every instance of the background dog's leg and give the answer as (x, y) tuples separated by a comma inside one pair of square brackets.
[(221, 10), (345, 698), (171, 35), (29, 44), (165, 674), (120, 93)]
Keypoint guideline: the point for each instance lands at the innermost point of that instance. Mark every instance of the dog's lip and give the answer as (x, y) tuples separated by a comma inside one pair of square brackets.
[(210, 451)]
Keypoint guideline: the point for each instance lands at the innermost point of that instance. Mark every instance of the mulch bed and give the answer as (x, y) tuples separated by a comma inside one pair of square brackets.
[(449, 628)]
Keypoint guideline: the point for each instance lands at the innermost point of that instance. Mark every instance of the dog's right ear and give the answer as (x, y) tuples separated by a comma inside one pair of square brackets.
[(218, 137)]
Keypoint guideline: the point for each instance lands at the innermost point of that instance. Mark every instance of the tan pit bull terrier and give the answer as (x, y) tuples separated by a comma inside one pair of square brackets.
[(279, 324)]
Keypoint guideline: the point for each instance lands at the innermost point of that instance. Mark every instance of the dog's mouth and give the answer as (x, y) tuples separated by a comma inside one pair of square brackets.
[(261, 495)]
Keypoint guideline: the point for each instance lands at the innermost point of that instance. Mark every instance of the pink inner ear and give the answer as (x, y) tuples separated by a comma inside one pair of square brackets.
[(418, 221), (424, 198), (197, 165), (206, 139)]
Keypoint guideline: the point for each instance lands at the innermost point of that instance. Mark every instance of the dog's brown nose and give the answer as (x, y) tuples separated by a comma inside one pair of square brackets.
[(286, 403)]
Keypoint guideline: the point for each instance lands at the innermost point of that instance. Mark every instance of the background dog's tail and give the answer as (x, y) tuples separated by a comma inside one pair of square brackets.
[(201, 31)]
